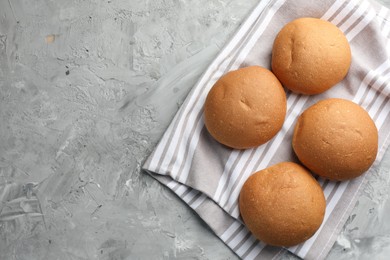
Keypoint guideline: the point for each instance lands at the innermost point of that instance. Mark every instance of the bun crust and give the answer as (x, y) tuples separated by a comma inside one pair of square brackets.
[(336, 139), (245, 108), (310, 55), (282, 205)]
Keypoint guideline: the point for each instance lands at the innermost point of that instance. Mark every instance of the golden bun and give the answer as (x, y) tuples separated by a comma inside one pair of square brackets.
[(310, 55), (245, 108), (336, 139), (282, 205)]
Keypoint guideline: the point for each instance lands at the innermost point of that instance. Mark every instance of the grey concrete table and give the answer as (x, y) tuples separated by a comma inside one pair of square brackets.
[(87, 89)]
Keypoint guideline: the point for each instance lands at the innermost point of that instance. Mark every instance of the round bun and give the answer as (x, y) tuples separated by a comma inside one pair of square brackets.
[(282, 205), (310, 55), (245, 108), (336, 139)]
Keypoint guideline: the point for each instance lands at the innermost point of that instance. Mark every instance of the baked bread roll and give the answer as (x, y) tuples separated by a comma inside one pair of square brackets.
[(336, 139), (310, 55), (282, 205), (245, 108)]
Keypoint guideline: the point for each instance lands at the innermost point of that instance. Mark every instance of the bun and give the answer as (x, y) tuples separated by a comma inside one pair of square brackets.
[(282, 205), (336, 139), (310, 55), (245, 108)]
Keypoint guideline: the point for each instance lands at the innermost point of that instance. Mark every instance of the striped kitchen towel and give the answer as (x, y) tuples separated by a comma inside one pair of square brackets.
[(208, 176)]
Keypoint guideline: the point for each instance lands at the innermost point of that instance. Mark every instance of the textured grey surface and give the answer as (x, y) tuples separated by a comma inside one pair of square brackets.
[(87, 89)]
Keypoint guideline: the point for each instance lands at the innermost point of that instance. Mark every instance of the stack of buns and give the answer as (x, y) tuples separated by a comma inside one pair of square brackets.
[(283, 205)]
